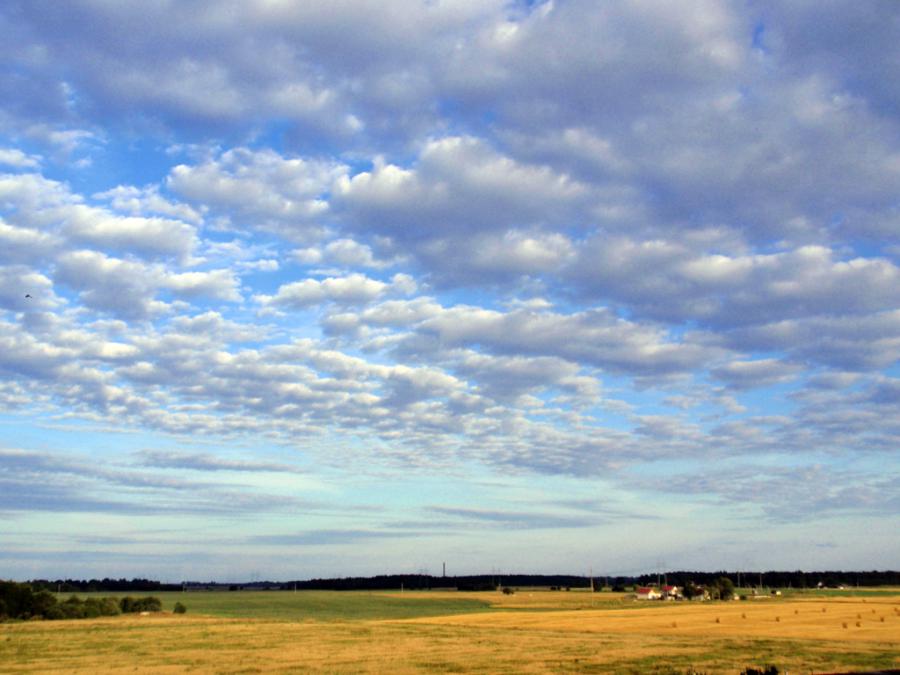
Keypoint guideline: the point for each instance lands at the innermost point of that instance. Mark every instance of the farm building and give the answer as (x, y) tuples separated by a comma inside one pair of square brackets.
[(647, 593), (671, 592)]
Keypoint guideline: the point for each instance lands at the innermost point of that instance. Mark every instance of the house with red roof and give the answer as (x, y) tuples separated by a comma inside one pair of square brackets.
[(647, 593), (671, 593)]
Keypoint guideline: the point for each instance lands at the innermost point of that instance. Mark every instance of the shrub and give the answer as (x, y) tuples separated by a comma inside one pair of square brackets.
[(179, 608), (17, 599), (507, 590), (130, 605), (72, 608), (20, 601), (91, 608), (43, 603), (149, 604)]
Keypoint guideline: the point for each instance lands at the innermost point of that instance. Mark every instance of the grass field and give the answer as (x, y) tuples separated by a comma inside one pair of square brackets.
[(324, 605), (529, 632)]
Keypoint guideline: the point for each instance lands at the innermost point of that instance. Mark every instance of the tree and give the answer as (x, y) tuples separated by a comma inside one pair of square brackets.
[(179, 608), (43, 604), (149, 604), (17, 599), (109, 607), (129, 605), (722, 589)]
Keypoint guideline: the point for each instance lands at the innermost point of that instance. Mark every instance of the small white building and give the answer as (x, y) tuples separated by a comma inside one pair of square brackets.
[(647, 593), (671, 592)]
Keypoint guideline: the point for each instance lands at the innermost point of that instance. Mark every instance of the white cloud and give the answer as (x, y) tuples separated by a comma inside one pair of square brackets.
[(142, 201), (846, 343), (496, 257), (124, 288), (342, 252), (38, 203), (219, 284), (260, 188), (61, 140), (144, 236), (128, 288), (32, 195), (666, 279), (353, 289), (17, 282), (596, 337), (16, 158), (757, 373), (459, 185), (351, 253), (24, 245)]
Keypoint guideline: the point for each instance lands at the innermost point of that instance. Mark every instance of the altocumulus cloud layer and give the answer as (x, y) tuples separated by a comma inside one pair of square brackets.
[(293, 289)]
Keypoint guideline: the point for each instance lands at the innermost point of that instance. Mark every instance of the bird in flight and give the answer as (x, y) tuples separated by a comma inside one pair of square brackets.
[(27, 295)]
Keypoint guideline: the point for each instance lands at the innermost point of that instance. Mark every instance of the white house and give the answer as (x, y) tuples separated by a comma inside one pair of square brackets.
[(647, 593), (671, 592)]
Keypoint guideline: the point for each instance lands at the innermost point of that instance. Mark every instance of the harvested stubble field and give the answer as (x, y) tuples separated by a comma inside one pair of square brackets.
[(529, 632)]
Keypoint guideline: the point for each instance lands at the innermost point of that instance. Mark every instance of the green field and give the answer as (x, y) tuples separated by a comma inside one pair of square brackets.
[(320, 605)]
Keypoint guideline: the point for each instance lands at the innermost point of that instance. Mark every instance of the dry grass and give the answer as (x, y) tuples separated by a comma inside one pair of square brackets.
[(532, 599), (527, 636), (801, 620)]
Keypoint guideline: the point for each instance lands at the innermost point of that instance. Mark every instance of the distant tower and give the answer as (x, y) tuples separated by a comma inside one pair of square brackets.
[(445, 570)]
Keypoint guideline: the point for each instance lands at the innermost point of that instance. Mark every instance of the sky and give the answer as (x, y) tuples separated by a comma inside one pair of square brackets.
[(314, 289)]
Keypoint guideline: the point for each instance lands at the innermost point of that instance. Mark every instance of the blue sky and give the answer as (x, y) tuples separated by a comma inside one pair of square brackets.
[(363, 287)]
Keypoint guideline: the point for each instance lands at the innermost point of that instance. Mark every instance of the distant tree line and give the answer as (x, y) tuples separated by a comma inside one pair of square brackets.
[(475, 582), (388, 582), (798, 579), (106, 584), (779, 579), (22, 601)]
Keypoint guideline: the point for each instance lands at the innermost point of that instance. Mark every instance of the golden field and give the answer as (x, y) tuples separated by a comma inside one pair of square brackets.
[(529, 632)]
